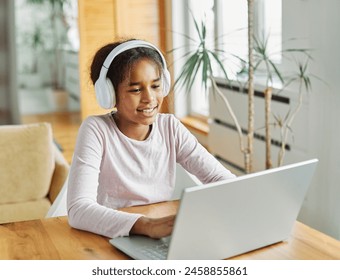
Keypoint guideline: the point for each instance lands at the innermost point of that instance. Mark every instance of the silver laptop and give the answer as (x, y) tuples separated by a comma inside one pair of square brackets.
[(227, 218)]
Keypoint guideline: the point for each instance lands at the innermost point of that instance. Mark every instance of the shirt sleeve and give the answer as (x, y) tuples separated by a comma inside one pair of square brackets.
[(196, 159), (84, 212)]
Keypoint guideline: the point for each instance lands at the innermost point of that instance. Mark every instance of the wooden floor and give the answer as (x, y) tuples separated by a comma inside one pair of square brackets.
[(65, 127)]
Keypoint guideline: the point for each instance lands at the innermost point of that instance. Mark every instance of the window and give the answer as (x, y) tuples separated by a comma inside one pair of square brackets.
[(202, 10), (227, 20)]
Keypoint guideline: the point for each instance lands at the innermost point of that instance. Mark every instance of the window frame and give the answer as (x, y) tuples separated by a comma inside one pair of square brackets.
[(186, 106)]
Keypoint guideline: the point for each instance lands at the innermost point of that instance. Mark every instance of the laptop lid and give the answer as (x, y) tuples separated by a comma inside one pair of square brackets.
[(228, 218)]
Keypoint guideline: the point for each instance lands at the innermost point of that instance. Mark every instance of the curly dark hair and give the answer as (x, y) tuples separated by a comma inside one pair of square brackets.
[(122, 63)]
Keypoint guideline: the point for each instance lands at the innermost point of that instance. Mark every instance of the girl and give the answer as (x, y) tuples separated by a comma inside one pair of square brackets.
[(128, 157)]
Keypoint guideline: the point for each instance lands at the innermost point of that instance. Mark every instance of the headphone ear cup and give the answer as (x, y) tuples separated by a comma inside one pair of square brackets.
[(166, 82), (111, 93), (104, 93)]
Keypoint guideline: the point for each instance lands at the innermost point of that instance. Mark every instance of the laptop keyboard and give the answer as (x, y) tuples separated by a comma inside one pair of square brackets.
[(156, 252)]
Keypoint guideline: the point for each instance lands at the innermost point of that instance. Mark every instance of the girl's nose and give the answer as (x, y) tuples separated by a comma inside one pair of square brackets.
[(148, 95)]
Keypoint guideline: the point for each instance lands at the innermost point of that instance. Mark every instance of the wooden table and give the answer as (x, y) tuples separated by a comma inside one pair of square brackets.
[(54, 239)]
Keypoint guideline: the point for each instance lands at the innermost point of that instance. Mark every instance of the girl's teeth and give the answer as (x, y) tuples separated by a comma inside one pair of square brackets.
[(147, 110)]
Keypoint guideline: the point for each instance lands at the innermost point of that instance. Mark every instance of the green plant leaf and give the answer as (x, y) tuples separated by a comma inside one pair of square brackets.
[(199, 61)]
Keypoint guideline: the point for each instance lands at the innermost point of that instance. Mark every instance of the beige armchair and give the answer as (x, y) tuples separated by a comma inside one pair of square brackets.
[(32, 171)]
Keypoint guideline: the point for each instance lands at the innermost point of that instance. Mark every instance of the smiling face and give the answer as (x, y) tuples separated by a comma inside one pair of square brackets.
[(139, 98)]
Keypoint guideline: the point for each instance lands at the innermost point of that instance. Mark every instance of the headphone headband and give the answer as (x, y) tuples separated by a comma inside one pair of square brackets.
[(103, 86)]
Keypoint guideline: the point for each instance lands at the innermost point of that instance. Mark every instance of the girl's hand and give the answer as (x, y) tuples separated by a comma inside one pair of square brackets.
[(154, 227)]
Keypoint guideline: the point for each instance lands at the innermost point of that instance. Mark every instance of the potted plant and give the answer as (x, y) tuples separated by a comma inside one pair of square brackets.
[(56, 36), (199, 61), (34, 42), (263, 57)]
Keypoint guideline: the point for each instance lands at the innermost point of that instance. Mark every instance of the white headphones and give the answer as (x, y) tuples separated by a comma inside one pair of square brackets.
[(104, 89)]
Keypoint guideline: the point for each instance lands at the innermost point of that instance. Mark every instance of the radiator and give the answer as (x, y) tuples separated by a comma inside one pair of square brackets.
[(223, 140)]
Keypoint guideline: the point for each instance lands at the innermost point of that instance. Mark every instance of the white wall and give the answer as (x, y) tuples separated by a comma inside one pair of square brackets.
[(319, 22)]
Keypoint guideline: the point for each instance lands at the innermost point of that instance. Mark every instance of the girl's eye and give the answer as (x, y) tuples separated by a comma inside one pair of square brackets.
[(135, 90), (155, 86)]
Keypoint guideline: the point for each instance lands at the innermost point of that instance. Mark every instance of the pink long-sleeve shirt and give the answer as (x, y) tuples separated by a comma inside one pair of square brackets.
[(110, 171)]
